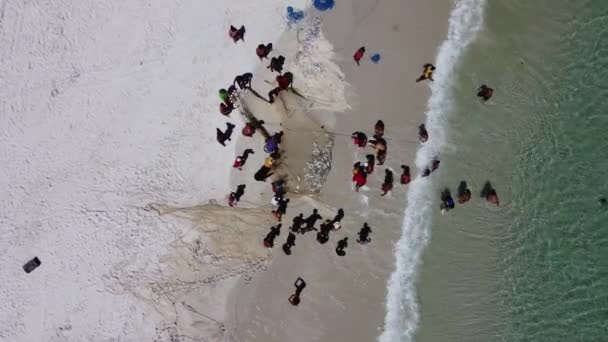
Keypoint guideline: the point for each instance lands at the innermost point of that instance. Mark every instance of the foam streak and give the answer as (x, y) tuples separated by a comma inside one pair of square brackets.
[(401, 320)]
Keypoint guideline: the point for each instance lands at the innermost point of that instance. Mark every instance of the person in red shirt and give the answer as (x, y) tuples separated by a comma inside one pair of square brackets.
[(237, 35), (405, 176), (359, 176), (359, 54), (263, 50), (240, 161)]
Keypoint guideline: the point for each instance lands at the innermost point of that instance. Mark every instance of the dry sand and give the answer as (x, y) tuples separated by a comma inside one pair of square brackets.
[(344, 299)]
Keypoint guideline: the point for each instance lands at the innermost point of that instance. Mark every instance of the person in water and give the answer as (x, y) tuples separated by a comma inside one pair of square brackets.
[(237, 34), (342, 244), (310, 221), (447, 202), (364, 234), (223, 136), (369, 165), (359, 55), (434, 164), (379, 129), (423, 135), (380, 146), (281, 210), (485, 92), (243, 81), (300, 284), (426, 172), (291, 241), (489, 194), (240, 161), (262, 174), (263, 50), (464, 194), (388, 182), (274, 232), (492, 197), (359, 176), (276, 64), (359, 139), (405, 176), (603, 201), (427, 72)]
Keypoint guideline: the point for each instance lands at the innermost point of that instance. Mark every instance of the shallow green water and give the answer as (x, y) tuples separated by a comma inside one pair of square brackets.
[(535, 269)]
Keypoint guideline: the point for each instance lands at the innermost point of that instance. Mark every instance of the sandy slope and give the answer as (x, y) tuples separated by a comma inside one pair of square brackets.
[(106, 106)]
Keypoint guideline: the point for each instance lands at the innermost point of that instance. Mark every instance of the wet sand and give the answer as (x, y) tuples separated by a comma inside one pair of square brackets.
[(344, 297)]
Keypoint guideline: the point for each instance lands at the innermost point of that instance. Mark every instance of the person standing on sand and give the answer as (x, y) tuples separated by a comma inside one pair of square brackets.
[(240, 161), (405, 176), (291, 241), (369, 165), (297, 223), (243, 81), (359, 139), (380, 146), (427, 72), (359, 55), (235, 197), (276, 64), (379, 129), (388, 182), (342, 244), (310, 221), (359, 176), (226, 107), (262, 174), (274, 232), (237, 35), (323, 234), (223, 136), (281, 210), (262, 51), (300, 284), (364, 234)]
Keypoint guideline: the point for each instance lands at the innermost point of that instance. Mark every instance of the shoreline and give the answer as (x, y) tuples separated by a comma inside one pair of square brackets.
[(354, 285)]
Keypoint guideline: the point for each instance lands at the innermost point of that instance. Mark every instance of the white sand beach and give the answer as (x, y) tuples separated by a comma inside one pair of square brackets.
[(115, 180)]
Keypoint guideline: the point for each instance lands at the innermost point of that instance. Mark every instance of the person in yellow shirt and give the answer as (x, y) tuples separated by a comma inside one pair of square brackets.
[(427, 72)]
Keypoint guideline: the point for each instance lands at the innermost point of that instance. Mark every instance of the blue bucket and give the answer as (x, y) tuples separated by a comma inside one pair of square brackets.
[(323, 5)]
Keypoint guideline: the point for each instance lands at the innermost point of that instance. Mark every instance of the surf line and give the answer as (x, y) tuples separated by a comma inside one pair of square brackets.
[(402, 316)]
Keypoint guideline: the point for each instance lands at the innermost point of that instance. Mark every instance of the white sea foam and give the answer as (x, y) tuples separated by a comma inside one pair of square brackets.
[(401, 320)]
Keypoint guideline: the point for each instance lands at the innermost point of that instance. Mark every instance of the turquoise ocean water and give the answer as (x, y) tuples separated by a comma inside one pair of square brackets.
[(535, 268)]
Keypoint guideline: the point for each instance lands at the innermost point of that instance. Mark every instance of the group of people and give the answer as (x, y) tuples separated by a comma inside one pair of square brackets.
[(361, 170), (302, 225), (464, 193)]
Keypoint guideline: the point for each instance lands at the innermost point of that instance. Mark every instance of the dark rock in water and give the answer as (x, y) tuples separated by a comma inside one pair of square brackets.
[(31, 265)]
